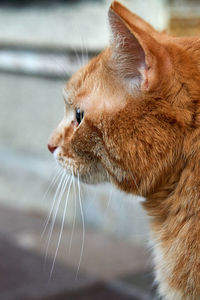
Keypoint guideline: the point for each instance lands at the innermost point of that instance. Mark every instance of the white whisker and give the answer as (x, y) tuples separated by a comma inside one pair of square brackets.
[(74, 218), (53, 203), (62, 190), (55, 177), (63, 75), (82, 58), (86, 59), (78, 58), (82, 216), (62, 225)]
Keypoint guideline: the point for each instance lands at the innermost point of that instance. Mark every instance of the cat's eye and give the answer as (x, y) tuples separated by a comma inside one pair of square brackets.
[(79, 115)]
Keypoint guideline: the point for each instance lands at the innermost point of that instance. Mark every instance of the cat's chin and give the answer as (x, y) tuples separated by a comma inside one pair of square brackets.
[(92, 179)]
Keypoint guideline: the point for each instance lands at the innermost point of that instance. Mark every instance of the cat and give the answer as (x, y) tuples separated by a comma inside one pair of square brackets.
[(132, 117)]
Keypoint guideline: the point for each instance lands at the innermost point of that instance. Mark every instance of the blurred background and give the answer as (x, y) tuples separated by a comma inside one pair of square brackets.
[(104, 253)]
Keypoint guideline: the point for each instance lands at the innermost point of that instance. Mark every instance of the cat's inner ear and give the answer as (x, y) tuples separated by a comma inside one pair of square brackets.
[(134, 50)]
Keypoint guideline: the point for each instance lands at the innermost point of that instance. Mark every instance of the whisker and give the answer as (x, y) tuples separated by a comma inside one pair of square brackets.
[(80, 57), (62, 225), (77, 58), (83, 236), (56, 211), (53, 203), (64, 74), (51, 184), (82, 54), (74, 218), (86, 59)]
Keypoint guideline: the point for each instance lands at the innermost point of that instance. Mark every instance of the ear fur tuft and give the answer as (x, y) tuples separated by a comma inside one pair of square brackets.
[(136, 53), (128, 54)]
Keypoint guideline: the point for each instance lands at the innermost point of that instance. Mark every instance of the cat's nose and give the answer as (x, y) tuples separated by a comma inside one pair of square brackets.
[(52, 148)]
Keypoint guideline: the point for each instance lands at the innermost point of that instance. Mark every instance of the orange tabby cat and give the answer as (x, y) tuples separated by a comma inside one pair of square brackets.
[(133, 118)]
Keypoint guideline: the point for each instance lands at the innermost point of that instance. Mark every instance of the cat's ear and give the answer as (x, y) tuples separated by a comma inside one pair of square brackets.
[(137, 55), (125, 13)]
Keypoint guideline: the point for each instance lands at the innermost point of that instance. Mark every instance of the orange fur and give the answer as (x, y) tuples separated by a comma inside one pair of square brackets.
[(141, 131)]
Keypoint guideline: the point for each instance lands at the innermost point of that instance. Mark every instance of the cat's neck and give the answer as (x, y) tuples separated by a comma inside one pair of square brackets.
[(175, 212)]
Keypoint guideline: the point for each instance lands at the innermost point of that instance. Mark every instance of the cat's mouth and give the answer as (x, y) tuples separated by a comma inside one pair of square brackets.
[(66, 163), (89, 173)]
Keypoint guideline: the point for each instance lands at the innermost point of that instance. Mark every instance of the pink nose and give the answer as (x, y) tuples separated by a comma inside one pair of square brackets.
[(51, 148)]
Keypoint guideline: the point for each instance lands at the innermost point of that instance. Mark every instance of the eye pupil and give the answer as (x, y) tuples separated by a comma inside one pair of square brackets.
[(79, 115)]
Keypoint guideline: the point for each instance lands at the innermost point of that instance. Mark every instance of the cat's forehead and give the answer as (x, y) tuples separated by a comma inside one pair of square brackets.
[(93, 87), (95, 95), (81, 82)]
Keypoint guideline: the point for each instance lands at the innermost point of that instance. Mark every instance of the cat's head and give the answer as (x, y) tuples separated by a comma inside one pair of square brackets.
[(130, 109)]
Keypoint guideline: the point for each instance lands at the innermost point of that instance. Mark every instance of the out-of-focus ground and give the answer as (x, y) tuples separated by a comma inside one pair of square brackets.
[(40, 47)]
